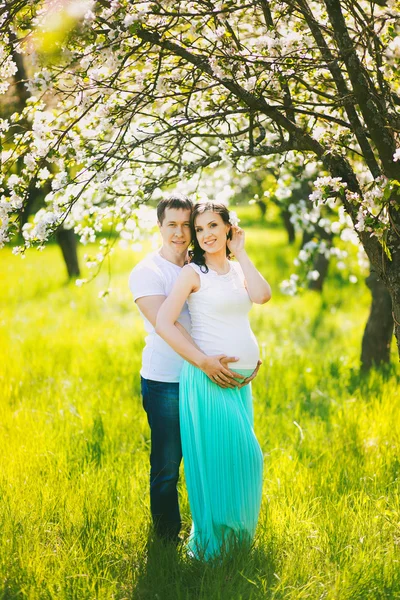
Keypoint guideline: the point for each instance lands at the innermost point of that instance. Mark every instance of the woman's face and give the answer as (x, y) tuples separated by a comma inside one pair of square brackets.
[(211, 231)]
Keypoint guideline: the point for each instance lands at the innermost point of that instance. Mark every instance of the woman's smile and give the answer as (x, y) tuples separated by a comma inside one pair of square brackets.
[(211, 232)]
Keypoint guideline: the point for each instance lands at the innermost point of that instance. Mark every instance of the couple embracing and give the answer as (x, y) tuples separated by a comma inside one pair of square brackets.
[(199, 358)]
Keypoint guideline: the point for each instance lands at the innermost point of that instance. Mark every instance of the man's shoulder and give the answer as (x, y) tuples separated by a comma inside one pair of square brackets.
[(147, 277), (150, 263)]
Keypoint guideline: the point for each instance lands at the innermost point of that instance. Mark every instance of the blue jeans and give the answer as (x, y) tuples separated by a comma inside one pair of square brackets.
[(161, 403)]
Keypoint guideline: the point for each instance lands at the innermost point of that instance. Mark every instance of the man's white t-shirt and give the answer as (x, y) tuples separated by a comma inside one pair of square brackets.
[(155, 276)]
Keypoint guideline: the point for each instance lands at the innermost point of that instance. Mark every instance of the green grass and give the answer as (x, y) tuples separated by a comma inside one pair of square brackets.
[(74, 445)]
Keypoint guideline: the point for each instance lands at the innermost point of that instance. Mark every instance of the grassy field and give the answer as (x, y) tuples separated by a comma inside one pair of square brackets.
[(74, 445)]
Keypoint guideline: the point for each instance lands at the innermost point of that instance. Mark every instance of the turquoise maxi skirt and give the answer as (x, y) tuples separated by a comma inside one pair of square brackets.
[(223, 463)]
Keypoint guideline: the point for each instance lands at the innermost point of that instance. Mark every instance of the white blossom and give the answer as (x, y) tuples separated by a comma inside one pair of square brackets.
[(43, 173), (7, 66), (289, 286), (360, 225), (13, 180), (233, 218), (123, 119), (313, 275)]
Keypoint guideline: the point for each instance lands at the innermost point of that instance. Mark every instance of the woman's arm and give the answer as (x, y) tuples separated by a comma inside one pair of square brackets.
[(258, 288), (149, 307), (167, 316)]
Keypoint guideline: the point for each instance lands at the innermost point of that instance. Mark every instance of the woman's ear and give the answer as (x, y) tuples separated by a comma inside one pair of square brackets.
[(229, 234)]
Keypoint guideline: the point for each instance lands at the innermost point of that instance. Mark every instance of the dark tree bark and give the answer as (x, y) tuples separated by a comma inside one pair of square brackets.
[(67, 242), (379, 122), (262, 206), (285, 214), (378, 332), (21, 76), (20, 100), (356, 85), (321, 263), (65, 238)]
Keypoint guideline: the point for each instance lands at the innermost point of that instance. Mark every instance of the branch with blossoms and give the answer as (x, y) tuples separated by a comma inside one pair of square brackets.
[(325, 227), (138, 97)]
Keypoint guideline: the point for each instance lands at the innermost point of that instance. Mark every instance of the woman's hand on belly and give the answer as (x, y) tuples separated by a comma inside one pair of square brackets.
[(252, 376), (215, 367)]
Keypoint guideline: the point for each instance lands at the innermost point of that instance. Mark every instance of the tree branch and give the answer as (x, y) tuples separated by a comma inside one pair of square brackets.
[(342, 88), (371, 104)]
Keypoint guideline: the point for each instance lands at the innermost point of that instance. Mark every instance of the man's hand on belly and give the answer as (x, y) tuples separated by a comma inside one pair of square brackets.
[(215, 367)]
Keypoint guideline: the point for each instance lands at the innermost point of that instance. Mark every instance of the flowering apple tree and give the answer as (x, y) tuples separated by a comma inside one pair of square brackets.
[(131, 97)]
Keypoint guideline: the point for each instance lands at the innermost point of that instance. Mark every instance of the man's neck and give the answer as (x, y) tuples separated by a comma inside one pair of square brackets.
[(176, 259)]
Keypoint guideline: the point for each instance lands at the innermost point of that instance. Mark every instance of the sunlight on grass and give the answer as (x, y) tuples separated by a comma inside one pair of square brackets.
[(74, 445)]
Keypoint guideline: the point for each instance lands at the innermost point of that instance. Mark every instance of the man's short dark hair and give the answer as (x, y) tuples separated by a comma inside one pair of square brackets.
[(173, 202)]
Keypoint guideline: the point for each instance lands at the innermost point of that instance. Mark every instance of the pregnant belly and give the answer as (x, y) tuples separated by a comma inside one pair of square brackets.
[(241, 344), (245, 348), (246, 360)]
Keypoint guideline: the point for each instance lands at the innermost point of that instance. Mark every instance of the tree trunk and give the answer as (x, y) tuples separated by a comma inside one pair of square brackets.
[(392, 283), (378, 332), (387, 266), (396, 315), (263, 207), (20, 77), (391, 271), (65, 237), (321, 263), (67, 242), (285, 214)]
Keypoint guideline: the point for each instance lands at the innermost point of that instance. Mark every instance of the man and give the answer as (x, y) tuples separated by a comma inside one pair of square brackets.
[(150, 283)]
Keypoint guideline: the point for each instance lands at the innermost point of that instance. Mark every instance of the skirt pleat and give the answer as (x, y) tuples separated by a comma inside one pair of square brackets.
[(223, 463)]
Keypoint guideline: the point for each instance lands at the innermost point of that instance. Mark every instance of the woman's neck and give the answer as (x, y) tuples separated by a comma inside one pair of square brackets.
[(217, 261)]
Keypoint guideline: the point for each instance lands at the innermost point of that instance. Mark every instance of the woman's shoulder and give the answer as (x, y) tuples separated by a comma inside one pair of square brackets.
[(191, 266), (190, 277), (190, 271)]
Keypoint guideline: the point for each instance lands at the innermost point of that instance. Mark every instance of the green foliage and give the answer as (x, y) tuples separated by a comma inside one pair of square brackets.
[(250, 215), (74, 445)]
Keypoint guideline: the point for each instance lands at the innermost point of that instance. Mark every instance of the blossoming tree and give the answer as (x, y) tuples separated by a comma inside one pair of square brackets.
[(133, 96)]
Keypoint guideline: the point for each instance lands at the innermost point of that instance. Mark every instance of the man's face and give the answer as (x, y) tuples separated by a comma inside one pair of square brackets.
[(175, 230)]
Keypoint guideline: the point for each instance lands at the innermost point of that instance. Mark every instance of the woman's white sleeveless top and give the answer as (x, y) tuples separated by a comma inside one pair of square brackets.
[(219, 316)]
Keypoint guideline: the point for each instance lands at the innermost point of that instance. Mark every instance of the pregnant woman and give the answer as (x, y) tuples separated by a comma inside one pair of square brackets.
[(222, 457)]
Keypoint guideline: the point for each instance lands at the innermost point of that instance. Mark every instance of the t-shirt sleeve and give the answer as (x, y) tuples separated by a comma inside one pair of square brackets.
[(146, 281)]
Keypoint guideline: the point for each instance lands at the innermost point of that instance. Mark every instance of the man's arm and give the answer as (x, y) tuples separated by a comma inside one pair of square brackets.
[(149, 307)]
